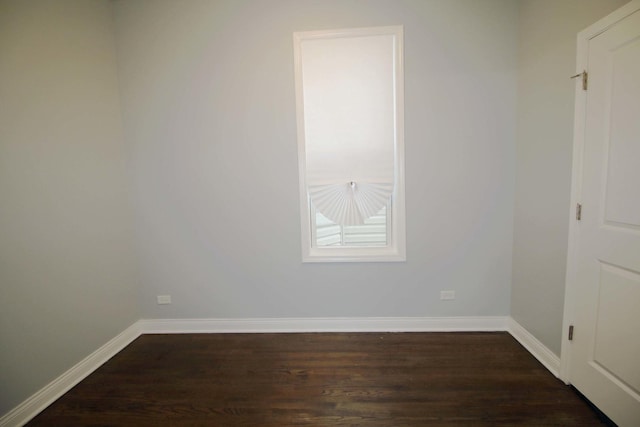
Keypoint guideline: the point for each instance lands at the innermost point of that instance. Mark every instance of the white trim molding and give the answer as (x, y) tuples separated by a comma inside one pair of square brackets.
[(327, 324), (541, 352), (23, 413)]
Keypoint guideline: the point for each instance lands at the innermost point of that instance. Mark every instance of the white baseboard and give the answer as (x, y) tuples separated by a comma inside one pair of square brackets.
[(535, 347), (31, 407), (331, 324)]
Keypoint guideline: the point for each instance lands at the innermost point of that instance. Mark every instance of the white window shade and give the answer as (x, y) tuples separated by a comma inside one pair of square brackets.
[(349, 124)]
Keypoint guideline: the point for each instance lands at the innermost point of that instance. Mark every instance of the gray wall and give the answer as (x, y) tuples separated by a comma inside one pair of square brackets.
[(547, 52), (67, 282), (209, 107)]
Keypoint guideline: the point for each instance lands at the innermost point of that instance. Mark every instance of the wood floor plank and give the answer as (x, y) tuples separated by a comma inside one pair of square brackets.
[(321, 379)]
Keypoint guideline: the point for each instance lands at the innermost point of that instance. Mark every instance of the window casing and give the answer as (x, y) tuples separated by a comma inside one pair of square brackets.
[(349, 102)]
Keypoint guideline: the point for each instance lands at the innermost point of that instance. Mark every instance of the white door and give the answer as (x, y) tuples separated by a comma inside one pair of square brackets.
[(605, 351)]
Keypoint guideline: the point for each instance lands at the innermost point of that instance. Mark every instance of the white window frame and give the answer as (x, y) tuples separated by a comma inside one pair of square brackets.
[(395, 250)]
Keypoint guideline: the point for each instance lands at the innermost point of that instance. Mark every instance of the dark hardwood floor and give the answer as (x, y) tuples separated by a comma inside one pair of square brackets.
[(328, 379)]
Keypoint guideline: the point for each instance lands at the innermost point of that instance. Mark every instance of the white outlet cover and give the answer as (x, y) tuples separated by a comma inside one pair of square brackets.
[(164, 299), (447, 295)]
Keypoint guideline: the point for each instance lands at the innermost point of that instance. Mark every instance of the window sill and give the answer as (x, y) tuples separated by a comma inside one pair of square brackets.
[(385, 254)]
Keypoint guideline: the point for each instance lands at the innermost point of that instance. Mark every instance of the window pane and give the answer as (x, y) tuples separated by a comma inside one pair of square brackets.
[(372, 233)]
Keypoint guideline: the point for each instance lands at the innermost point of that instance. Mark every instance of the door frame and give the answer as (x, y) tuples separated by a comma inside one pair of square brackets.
[(571, 287)]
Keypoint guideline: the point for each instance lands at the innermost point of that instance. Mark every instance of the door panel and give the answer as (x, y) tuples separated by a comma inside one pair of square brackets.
[(617, 307), (622, 201)]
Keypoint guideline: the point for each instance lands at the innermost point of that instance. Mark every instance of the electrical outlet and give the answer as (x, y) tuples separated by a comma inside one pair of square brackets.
[(164, 299), (447, 295)]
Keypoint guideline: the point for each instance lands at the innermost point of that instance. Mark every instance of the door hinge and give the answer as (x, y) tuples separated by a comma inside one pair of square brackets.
[(578, 211), (571, 333), (585, 79)]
